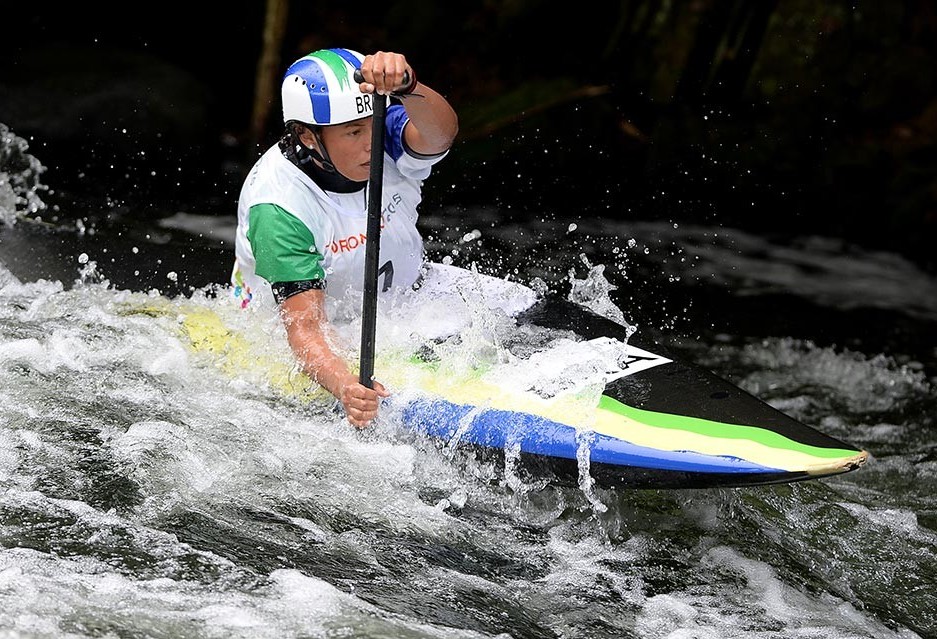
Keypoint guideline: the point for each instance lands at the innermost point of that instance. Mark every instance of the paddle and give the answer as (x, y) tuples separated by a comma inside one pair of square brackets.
[(372, 247)]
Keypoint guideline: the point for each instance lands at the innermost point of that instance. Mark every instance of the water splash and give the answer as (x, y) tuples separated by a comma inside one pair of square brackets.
[(20, 187), (592, 292), (584, 440)]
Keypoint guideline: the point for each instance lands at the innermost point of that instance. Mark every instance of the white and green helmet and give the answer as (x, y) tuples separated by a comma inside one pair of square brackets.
[(320, 89)]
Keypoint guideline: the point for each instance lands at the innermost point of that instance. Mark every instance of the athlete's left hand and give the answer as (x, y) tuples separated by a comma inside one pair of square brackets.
[(361, 403)]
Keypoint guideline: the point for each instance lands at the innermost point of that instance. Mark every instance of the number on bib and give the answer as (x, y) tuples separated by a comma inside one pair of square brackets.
[(388, 270)]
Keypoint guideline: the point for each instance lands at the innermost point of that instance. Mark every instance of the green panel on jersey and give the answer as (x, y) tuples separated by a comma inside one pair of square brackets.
[(284, 247)]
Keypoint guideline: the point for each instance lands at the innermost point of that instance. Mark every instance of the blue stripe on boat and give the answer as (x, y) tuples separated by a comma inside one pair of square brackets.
[(540, 436)]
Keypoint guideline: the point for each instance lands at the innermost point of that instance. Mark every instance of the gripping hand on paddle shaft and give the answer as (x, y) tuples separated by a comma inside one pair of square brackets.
[(433, 122), (385, 72), (360, 402)]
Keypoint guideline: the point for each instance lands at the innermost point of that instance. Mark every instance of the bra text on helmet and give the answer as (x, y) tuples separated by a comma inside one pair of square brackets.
[(363, 102)]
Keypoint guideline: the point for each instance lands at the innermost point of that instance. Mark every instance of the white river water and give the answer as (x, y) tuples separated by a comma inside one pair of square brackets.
[(147, 492)]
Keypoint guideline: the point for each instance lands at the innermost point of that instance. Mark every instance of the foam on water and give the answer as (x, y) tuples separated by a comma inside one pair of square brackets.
[(82, 597), (828, 271), (873, 384), (183, 439), (222, 229), (747, 599), (145, 487)]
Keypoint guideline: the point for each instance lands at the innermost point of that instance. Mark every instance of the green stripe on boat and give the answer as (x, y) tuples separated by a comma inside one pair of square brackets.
[(718, 430)]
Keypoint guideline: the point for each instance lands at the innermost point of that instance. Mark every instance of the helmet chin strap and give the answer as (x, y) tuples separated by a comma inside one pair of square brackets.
[(322, 157), (316, 163)]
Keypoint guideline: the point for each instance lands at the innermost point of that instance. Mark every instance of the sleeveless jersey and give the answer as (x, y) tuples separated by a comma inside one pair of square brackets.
[(302, 232)]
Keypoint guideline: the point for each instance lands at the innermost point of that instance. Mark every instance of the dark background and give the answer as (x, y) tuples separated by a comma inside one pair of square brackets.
[(786, 118)]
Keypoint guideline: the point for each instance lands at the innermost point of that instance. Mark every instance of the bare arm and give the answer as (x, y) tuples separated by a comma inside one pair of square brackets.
[(433, 122), (309, 335)]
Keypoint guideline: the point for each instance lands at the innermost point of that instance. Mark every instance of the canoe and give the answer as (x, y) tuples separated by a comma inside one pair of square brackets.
[(565, 393)]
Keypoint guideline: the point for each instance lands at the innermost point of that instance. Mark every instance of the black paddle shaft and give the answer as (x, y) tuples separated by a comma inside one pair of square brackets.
[(372, 247)]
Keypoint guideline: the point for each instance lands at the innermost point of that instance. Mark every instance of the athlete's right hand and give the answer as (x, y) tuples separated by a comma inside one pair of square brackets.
[(385, 72), (361, 403)]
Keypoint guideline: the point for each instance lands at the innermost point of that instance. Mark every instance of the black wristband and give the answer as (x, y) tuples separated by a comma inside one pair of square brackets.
[(282, 291), (407, 90)]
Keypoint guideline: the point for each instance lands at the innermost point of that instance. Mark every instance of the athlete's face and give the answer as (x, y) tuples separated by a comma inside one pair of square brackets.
[(349, 147)]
